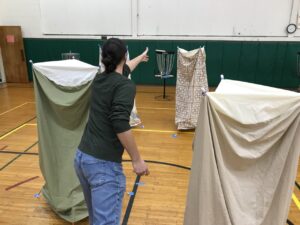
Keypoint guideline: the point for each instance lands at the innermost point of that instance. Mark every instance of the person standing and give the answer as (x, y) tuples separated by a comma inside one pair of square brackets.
[(98, 160)]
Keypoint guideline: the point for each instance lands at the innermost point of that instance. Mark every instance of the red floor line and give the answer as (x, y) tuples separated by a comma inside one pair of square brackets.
[(4, 147), (22, 182)]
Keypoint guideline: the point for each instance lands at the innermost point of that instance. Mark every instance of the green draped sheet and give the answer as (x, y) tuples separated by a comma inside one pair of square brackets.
[(62, 113)]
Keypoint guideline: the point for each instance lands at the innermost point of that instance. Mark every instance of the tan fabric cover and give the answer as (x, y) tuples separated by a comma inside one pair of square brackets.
[(191, 77), (246, 151)]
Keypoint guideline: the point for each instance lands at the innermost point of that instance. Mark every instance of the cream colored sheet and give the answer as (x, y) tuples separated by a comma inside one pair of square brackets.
[(246, 151)]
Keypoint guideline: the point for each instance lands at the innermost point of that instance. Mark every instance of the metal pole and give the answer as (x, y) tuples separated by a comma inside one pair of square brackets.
[(164, 96), (165, 74)]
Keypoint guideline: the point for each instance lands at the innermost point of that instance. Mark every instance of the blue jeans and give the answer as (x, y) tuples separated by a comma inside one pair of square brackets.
[(103, 183)]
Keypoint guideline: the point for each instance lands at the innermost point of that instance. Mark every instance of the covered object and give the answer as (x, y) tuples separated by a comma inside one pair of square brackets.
[(246, 151), (191, 78), (62, 91)]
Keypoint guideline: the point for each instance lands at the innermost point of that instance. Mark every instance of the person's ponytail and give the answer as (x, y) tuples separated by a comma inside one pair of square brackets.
[(113, 52), (109, 64)]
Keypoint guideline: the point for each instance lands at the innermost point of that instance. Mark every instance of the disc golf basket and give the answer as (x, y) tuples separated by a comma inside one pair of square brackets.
[(165, 62), (70, 55)]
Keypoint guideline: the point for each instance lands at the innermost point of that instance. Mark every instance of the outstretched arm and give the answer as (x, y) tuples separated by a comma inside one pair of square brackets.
[(137, 60)]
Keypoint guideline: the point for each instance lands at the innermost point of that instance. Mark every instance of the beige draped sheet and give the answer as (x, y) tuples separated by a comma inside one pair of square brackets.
[(191, 78), (246, 151)]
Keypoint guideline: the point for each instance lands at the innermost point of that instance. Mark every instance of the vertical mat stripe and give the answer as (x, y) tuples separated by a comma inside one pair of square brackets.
[(131, 200)]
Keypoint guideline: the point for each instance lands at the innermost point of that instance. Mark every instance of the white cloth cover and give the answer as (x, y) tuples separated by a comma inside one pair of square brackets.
[(191, 77), (67, 73), (246, 151), (134, 118)]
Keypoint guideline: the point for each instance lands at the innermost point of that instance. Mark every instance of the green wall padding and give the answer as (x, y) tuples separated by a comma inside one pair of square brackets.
[(267, 63)]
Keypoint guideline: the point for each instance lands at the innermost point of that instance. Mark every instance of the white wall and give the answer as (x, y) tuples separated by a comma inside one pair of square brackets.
[(144, 22), (214, 17), (86, 17), (25, 13)]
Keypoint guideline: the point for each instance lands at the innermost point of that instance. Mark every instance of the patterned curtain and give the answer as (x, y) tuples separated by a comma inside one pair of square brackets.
[(191, 78)]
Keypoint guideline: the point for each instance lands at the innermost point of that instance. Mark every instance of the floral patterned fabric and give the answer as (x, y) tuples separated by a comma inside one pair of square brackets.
[(191, 78)]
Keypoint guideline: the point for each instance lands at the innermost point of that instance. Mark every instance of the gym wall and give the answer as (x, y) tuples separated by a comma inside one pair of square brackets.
[(261, 53)]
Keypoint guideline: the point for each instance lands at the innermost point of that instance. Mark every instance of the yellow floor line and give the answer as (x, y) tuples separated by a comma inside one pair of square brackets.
[(162, 131), (139, 130), (187, 132), (138, 108), (18, 128), (296, 200), (143, 130), (11, 132), (14, 108)]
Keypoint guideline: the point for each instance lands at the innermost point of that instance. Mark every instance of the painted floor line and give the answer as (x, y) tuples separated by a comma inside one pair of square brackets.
[(15, 129), (4, 147), (297, 185), (19, 155), (19, 106), (162, 163), (138, 108), (163, 131), (21, 182), (142, 130), (131, 201), (296, 200)]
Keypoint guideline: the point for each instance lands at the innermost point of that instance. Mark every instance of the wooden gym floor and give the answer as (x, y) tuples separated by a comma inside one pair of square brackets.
[(159, 200)]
